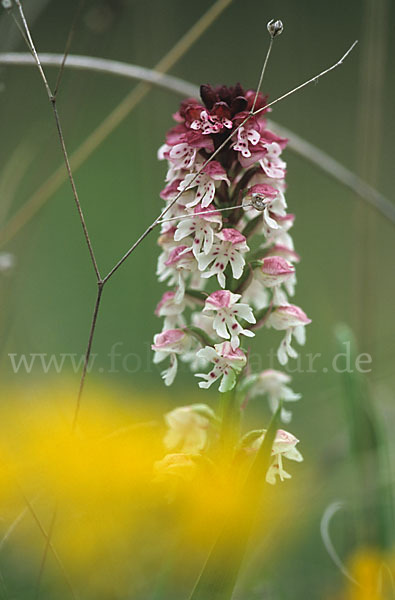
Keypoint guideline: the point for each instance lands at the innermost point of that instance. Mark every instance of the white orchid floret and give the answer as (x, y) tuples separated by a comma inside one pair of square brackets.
[(206, 181), (188, 428), (179, 264), (177, 465), (171, 310), (256, 294), (273, 384), (209, 123), (272, 165), (260, 198), (292, 320), (227, 310), (279, 235), (284, 446), (278, 184), (169, 344), (201, 227), (181, 156), (247, 134), (227, 363), (274, 272), (229, 249)]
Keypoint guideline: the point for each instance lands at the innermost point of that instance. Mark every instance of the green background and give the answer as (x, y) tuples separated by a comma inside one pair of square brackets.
[(47, 299)]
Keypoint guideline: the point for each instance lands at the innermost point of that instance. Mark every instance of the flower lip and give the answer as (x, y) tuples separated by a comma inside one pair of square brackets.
[(165, 298), (171, 190), (262, 189), (231, 235), (167, 338), (276, 265), (219, 299), (284, 437), (177, 254), (226, 351), (292, 313)]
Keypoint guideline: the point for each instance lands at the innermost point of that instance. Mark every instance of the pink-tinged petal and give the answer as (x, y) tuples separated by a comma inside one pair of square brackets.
[(176, 135), (275, 265), (269, 137), (177, 254), (257, 153), (288, 316), (165, 298), (226, 351), (171, 190), (231, 235), (289, 218), (167, 338), (204, 209), (261, 100), (284, 252), (284, 437), (215, 170), (263, 189), (219, 299)]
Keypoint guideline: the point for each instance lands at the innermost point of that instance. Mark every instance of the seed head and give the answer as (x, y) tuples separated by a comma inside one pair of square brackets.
[(275, 27)]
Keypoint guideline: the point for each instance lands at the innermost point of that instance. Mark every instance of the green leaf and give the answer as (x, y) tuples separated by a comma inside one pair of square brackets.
[(368, 450)]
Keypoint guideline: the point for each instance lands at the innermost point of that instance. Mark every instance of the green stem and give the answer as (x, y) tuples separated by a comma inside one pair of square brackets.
[(219, 575), (230, 422)]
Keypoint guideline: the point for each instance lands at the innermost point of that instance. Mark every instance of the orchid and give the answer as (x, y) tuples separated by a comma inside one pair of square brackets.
[(169, 343), (188, 428), (227, 311), (217, 205), (227, 363), (273, 384)]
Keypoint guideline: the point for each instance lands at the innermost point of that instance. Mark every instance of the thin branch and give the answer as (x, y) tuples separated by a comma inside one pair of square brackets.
[(68, 46), (46, 550), (312, 80), (52, 99), (33, 49), (87, 354), (258, 87), (48, 540), (75, 193)]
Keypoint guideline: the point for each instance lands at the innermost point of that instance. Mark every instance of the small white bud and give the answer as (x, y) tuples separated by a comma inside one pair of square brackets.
[(275, 27), (7, 4)]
